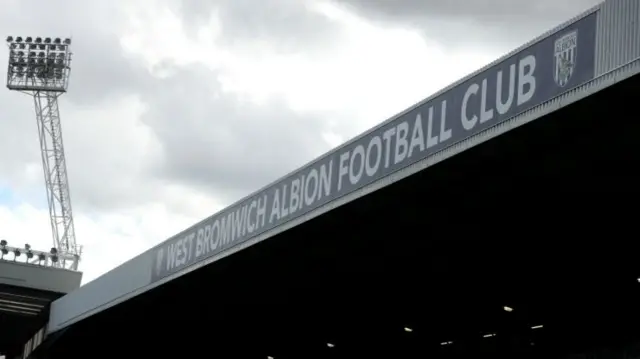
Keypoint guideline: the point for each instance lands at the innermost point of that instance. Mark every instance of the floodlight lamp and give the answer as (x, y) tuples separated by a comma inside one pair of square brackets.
[(3, 243), (47, 40), (33, 47), (42, 46), (29, 254), (38, 40), (27, 246), (67, 41), (22, 46), (28, 39), (41, 54), (13, 46), (54, 259), (18, 39), (53, 250), (57, 41), (41, 257), (9, 38), (16, 253), (32, 54)]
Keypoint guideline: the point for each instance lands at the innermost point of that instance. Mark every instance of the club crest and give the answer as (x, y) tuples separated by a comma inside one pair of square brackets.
[(565, 53)]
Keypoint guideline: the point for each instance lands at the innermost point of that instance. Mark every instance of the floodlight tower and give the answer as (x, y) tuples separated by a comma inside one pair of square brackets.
[(40, 67)]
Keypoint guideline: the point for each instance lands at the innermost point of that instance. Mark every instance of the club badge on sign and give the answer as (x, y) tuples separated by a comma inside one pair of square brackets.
[(565, 54)]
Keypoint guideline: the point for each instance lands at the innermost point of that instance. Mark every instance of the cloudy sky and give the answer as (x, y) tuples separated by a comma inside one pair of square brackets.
[(177, 108)]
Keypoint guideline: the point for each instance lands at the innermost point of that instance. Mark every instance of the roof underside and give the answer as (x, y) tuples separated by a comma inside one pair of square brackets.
[(23, 311), (539, 219)]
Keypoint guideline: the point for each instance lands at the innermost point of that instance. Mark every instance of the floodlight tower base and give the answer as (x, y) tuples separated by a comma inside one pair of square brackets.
[(55, 173)]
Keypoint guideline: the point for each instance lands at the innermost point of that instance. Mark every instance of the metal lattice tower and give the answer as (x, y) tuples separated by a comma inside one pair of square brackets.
[(40, 67)]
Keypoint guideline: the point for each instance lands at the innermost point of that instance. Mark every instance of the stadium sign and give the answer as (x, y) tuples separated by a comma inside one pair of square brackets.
[(526, 79)]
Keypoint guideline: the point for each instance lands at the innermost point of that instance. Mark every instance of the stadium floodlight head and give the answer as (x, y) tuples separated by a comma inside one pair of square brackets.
[(54, 255), (45, 70), (52, 258), (3, 248)]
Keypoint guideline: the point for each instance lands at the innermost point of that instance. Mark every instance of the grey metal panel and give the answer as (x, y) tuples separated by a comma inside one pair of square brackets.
[(69, 310), (39, 277), (64, 315), (618, 34), (108, 288)]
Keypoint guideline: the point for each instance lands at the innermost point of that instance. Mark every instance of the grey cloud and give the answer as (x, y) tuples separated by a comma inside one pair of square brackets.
[(99, 67), (464, 22), (100, 73), (216, 141), (18, 135), (287, 25), (211, 140)]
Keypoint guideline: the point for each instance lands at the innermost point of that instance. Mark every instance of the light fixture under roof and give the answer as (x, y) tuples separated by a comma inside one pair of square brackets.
[(408, 330), (507, 309)]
